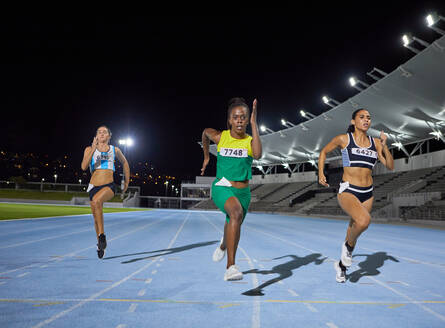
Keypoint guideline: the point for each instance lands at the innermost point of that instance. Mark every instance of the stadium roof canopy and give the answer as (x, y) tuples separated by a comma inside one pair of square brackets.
[(408, 104)]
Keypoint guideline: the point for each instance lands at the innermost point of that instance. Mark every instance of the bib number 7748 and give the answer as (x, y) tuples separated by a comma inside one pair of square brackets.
[(233, 152)]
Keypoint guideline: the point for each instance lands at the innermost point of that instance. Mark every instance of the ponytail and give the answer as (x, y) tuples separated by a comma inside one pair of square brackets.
[(351, 128)]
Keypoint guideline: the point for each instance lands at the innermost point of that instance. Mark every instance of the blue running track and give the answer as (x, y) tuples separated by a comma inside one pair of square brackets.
[(158, 272)]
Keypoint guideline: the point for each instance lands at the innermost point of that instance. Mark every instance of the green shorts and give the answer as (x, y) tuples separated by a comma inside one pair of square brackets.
[(221, 194)]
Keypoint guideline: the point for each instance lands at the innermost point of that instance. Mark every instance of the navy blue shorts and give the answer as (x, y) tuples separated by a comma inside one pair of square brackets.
[(94, 190), (362, 193)]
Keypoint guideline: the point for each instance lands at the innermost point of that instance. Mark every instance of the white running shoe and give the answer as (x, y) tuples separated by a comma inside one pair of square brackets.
[(340, 275), (233, 273), (218, 254), (346, 256)]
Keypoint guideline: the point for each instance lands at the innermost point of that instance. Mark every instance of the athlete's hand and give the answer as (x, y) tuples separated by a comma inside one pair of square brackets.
[(254, 112), (204, 164), (322, 180), (383, 138), (94, 144)]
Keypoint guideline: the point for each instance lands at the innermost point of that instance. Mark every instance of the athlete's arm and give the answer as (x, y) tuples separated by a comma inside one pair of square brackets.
[(120, 156), (338, 141), (88, 154), (383, 152), (207, 135), (257, 149)]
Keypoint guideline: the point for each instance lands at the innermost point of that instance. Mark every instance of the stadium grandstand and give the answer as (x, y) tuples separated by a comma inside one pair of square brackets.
[(408, 104)]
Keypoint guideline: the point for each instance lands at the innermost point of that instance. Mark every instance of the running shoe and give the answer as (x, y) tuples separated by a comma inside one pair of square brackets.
[(102, 242), (218, 254), (100, 252), (233, 273), (346, 256), (340, 275)]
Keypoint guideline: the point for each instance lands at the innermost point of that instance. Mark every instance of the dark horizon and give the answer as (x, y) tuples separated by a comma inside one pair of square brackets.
[(162, 80)]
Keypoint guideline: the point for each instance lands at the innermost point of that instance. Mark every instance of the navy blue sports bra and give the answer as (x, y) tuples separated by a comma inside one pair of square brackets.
[(356, 156)]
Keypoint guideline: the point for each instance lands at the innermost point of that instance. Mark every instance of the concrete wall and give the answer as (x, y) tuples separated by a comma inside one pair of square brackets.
[(284, 178)]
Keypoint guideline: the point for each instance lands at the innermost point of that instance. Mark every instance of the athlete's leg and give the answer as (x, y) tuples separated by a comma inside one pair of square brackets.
[(233, 228), (359, 213), (96, 204)]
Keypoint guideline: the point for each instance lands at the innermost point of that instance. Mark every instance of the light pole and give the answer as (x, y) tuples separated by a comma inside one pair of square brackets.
[(166, 188), (55, 178), (128, 142)]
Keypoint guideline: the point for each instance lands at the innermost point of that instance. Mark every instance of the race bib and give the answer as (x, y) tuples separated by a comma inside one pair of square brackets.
[(233, 152), (364, 152)]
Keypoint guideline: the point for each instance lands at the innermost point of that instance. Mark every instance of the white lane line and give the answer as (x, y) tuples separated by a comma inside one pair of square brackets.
[(408, 259), (44, 266), (427, 309), (52, 237), (23, 274), (84, 249), (331, 325), (132, 307), (149, 280), (121, 326), (261, 266), (161, 259), (293, 293), (142, 292), (158, 265), (103, 291), (154, 271), (280, 282), (256, 302), (310, 307)]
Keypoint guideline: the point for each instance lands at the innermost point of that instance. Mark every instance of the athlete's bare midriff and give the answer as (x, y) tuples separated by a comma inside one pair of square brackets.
[(358, 176), (101, 177), (240, 184)]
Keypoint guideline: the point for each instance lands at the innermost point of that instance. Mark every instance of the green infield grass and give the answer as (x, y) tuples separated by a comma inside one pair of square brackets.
[(20, 211)]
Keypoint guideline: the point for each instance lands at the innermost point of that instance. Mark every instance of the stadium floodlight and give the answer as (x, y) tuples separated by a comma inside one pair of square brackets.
[(408, 39), (432, 19), (397, 144), (306, 114), (327, 100), (265, 129), (354, 83), (437, 134), (126, 142), (287, 123)]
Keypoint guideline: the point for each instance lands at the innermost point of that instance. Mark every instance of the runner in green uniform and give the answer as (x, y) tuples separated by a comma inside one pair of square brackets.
[(230, 190)]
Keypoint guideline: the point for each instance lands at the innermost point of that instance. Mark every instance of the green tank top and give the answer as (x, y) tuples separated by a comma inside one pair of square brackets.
[(234, 160)]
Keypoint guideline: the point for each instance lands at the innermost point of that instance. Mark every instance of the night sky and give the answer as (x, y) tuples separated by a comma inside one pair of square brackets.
[(162, 80)]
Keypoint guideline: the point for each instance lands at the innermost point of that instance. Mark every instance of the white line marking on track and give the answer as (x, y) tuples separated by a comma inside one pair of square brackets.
[(149, 280), (23, 274), (280, 282), (44, 266), (256, 303), (121, 326), (142, 292), (158, 265), (161, 259), (84, 249), (427, 309), (154, 271), (261, 266), (293, 293), (103, 291), (331, 325), (310, 307), (132, 307)]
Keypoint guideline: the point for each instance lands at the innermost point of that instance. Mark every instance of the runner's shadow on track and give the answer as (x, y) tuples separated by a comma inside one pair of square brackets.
[(370, 265), (161, 252), (283, 270)]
